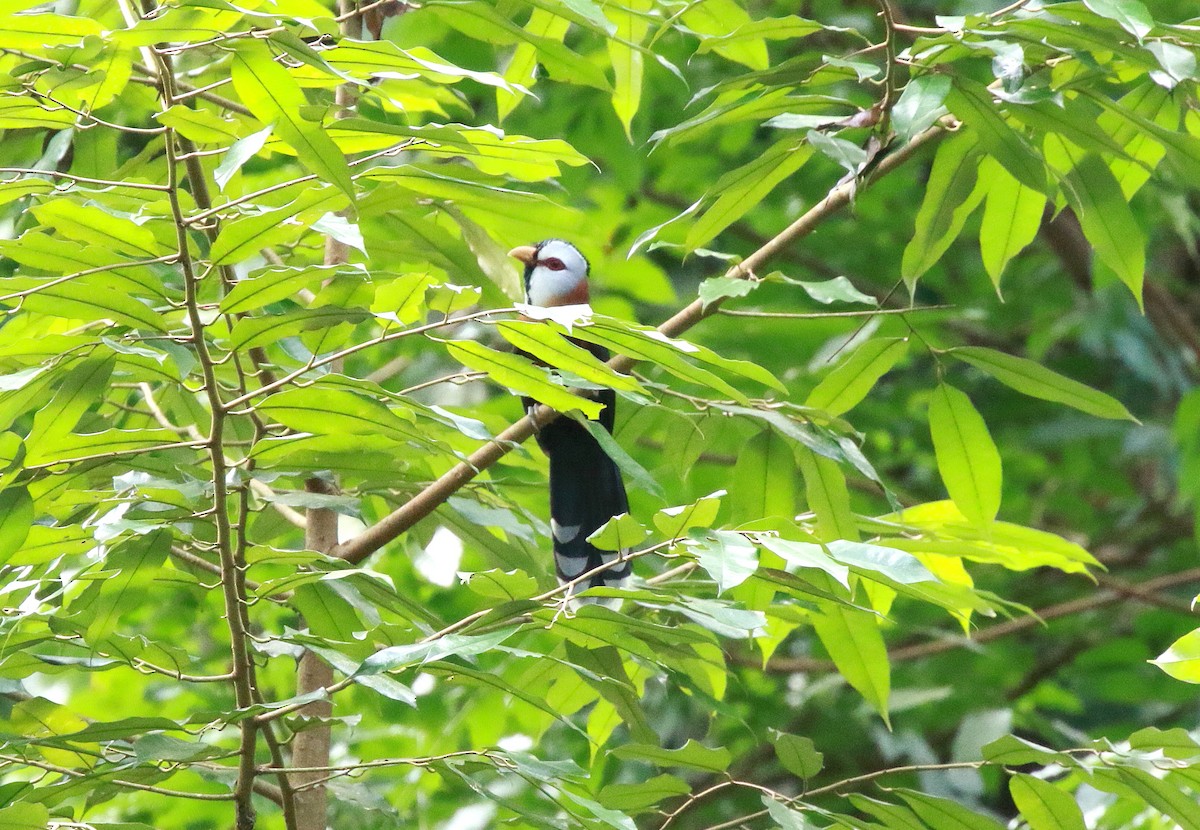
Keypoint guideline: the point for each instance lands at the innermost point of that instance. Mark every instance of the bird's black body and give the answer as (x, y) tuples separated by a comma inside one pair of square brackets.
[(586, 491), (585, 485)]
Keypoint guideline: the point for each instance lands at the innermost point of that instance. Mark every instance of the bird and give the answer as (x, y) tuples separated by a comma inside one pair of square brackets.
[(586, 489)]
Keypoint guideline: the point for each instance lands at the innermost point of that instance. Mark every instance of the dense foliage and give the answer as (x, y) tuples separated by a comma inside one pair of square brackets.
[(913, 455)]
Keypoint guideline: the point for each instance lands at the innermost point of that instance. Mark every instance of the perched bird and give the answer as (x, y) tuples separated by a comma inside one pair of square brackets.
[(585, 485)]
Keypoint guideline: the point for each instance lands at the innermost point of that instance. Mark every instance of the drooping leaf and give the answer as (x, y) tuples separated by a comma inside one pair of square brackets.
[(1107, 221), (950, 197), (966, 455), (1012, 214), (855, 644)]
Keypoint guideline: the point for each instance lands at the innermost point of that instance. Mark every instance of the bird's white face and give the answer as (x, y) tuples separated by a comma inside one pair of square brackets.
[(558, 276)]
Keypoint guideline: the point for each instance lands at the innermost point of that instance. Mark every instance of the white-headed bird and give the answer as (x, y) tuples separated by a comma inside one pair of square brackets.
[(585, 485)]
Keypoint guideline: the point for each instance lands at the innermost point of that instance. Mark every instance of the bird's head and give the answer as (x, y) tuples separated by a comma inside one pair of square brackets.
[(555, 273)]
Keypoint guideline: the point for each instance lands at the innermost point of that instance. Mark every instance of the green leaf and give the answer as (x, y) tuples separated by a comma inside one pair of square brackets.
[(16, 519), (627, 63), (618, 533), (825, 488), (24, 815), (522, 66), (94, 226), (403, 297), (1132, 15), (450, 645), (25, 113), (201, 125), (895, 816), (1043, 805), (324, 411), (764, 479), (637, 798), (605, 672), (951, 196), (260, 331), (483, 22), (242, 151), (520, 375), (719, 18), (674, 522), (670, 354), (1182, 659), (798, 754), (1164, 796), (242, 238), (36, 32), (972, 102), (855, 645), (807, 555), (635, 473), (896, 565), (275, 98), (691, 755), (272, 285), (836, 290), (788, 27), (547, 345), (326, 613), (78, 391), (1035, 380), (967, 457), (179, 25), (1072, 119), (71, 447), (920, 105), (1107, 221), (845, 387), (1012, 751), (714, 289), (1183, 147), (133, 564), (740, 190), (726, 557), (1012, 215), (942, 814), (497, 584)]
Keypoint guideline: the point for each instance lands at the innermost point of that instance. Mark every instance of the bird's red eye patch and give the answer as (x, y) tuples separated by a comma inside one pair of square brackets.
[(553, 263)]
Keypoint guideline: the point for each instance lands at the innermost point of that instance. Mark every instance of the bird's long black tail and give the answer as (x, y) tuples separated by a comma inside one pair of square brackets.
[(585, 492)]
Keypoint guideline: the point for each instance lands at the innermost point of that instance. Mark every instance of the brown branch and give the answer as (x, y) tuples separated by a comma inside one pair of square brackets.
[(232, 578), (425, 502)]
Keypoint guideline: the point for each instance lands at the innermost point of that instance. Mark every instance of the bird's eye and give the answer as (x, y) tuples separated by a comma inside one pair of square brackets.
[(554, 264)]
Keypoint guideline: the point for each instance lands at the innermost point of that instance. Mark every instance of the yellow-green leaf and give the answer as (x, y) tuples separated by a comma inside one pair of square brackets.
[(549, 346), (966, 456), (951, 196), (844, 387), (1012, 215), (1035, 380), (520, 375), (1043, 805), (275, 98)]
